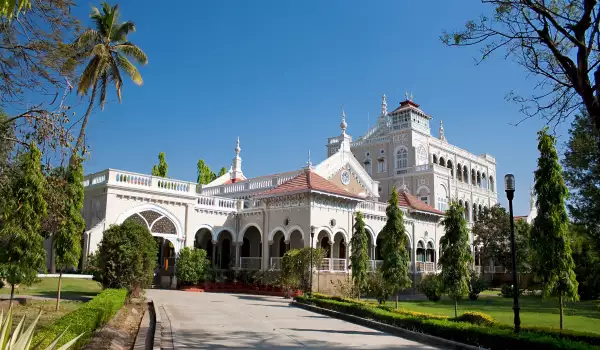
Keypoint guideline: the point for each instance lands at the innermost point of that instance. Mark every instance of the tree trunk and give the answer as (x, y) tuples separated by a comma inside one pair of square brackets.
[(84, 124), (455, 307), (396, 300), (560, 308), (12, 293), (58, 293)]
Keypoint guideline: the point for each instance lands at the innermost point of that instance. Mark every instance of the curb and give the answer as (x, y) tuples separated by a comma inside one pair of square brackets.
[(156, 342), (397, 331), (143, 339)]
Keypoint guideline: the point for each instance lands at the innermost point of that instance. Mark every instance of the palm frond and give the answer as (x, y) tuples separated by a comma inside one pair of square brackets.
[(133, 51), (120, 31), (130, 69), (100, 50), (103, 86), (88, 38), (111, 18), (87, 77), (115, 76), (99, 20)]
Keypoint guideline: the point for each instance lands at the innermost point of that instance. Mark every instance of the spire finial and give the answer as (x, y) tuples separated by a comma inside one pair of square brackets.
[(383, 105), (237, 147), (343, 124), (309, 163), (406, 94), (442, 136)]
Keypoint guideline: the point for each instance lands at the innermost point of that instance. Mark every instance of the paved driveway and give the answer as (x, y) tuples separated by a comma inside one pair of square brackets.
[(237, 321)]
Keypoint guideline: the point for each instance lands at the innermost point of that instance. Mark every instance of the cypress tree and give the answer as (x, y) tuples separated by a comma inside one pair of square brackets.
[(549, 233), (456, 254), (359, 258), (395, 256), (22, 252), (67, 240), (162, 167)]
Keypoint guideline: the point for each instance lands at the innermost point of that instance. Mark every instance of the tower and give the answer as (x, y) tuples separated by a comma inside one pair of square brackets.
[(236, 164)]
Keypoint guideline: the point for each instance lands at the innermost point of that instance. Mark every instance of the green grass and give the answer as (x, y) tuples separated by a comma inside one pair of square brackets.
[(31, 309), (535, 312), (71, 287)]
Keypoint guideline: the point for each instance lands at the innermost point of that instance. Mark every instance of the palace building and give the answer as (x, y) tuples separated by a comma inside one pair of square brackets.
[(249, 223)]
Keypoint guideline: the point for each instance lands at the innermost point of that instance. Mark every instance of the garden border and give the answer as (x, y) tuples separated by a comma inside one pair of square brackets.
[(397, 331)]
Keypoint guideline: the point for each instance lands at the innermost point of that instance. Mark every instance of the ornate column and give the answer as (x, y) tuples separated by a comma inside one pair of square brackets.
[(238, 263), (331, 245)]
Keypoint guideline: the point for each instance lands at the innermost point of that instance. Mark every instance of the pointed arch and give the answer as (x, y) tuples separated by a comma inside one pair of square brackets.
[(274, 231), (240, 238), (288, 233)]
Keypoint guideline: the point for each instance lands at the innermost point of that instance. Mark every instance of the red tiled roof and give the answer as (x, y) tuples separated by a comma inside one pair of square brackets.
[(230, 181), (406, 199), (306, 181), (405, 103), (521, 217)]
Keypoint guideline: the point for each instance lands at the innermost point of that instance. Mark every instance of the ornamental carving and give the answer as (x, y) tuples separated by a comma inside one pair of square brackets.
[(401, 138)]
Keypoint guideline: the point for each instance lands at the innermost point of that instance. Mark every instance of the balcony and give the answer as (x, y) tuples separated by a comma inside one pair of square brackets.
[(250, 263), (425, 168)]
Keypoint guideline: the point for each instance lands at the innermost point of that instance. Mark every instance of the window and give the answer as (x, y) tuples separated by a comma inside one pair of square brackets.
[(401, 158), (381, 166), (368, 166), (425, 199), (421, 155), (442, 198)]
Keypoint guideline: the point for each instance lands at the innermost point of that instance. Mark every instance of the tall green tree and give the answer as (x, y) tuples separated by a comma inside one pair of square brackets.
[(489, 230), (109, 50), (395, 256), (455, 258), (359, 244), (587, 260), (222, 172), (67, 240), (555, 41), (22, 251), (162, 167), (549, 234), (582, 175), (205, 175)]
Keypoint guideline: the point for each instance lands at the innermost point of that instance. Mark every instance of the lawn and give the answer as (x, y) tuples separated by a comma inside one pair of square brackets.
[(580, 316), (32, 307), (71, 287)]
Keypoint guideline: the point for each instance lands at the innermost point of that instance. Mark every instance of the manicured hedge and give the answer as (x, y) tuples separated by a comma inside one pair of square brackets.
[(491, 337), (92, 315)]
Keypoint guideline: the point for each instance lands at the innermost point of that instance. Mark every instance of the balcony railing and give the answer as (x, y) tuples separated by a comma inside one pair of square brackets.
[(275, 263), (426, 266), (250, 263), (251, 185)]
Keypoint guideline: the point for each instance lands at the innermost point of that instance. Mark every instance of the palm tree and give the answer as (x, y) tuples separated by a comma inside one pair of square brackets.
[(108, 50)]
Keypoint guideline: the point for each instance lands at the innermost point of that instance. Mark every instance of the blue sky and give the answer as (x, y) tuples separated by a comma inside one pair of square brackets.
[(275, 73)]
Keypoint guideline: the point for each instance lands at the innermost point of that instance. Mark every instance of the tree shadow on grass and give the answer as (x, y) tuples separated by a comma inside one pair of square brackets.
[(67, 295)]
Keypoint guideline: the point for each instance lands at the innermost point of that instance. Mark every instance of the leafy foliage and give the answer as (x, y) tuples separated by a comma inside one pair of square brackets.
[(549, 234), (191, 265), (376, 286), (556, 41), (587, 262), (22, 252), (67, 239), (10, 8), (507, 291), (476, 286), (21, 337), (109, 51), (359, 258), (478, 318), (295, 267), (455, 257), (395, 256), (127, 256), (431, 286), (162, 167), (205, 174), (86, 319)]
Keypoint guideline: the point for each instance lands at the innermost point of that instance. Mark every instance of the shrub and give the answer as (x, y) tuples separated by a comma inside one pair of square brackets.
[(295, 267), (478, 318), (191, 265), (431, 286), (92, 267), (92, 315), (493, 336), (375, 286), (507, 291), (476, 286), (127, 257), (346, 288)]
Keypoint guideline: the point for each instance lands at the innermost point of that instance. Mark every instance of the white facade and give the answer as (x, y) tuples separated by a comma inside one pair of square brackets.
[(250, 223)]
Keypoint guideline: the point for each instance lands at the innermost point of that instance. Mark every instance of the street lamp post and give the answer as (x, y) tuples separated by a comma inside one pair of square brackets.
[(312, 235), (509, 187)]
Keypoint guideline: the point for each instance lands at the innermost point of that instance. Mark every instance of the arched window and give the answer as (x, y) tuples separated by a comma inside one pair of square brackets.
[(492, 184), (423, 194), (450, 167), (478, 179), (435, 160), (421, 155), (381, 165), (442, 198), (442, 162), (368, 167), (484, 181), (401, 158), (465, 174), (459, 172)]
